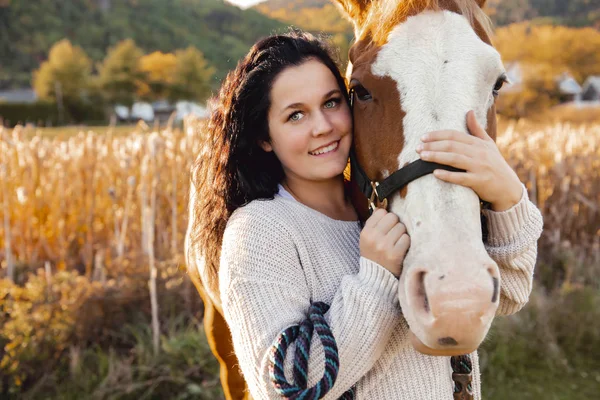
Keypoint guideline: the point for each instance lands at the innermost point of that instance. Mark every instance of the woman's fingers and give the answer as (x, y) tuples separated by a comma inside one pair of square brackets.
[(475, 129), (386, 223), (455, 136), (403, 244), (452, 159), (460, 178), (447, 146), (377, 215), (396, 233), (384, 241), (476, 132)]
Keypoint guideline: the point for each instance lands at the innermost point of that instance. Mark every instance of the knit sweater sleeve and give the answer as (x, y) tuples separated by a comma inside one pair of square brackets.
[(512, 243), (264, 291)]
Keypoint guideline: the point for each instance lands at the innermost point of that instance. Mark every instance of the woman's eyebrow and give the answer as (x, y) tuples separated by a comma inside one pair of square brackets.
[(331, 92), (298, 105), (294, 105)]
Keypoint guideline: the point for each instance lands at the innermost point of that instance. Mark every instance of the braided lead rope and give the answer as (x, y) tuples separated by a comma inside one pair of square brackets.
[(461, 364), (462, 368), (302, 334)]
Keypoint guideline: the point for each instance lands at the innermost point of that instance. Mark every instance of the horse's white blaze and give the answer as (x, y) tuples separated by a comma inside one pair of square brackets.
[(442, 70)]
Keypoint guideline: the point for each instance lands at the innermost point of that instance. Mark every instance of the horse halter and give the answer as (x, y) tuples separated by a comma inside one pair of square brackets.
[(378, 192)]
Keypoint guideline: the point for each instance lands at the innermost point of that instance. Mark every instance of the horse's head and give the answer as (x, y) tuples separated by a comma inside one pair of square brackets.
[(419, 66)]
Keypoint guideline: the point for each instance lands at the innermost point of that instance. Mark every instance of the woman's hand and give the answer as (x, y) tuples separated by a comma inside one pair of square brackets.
[(487, 172), (384, 240)]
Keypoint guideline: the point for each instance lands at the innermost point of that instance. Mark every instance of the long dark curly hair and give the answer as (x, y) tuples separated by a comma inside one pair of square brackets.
[(232, 169)]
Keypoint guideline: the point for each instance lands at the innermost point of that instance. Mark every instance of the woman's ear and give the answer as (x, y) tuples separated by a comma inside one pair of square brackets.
[(266, 146)]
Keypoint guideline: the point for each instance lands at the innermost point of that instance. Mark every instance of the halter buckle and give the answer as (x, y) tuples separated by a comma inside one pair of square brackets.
[(374, 199)]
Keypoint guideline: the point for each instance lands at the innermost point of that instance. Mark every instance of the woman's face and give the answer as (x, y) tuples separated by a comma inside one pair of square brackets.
[(310, 124)]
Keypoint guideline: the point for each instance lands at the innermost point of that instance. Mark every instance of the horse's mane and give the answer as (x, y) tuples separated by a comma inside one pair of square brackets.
[(382, 16)]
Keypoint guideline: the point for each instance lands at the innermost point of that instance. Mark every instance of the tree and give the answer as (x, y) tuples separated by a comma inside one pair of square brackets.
[(576, 50), (341, 43), (191, 76), (545, 52), (65, 76), (159, 69), (121, 73), (508, 12)]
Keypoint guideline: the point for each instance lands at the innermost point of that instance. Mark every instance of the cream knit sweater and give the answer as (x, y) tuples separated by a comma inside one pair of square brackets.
[(279, 255)]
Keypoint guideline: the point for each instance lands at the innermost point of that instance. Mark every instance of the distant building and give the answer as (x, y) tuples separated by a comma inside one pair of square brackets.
[(160, 110), (591, 89), (143, 111), (185, 108), (18, 96), (568, 88)]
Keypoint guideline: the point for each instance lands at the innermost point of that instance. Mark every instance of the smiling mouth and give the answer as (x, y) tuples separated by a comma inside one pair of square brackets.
[(325, 149)]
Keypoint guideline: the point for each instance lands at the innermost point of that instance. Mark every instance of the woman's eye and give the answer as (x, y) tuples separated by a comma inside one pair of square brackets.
[(295, 116), (332, 103)]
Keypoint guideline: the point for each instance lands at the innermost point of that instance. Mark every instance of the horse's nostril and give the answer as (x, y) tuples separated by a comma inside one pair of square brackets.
[(495, 294), (421, 291), (447, 341)]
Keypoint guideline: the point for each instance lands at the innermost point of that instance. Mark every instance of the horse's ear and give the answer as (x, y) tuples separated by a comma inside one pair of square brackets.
[(355, 10), (481, 3)]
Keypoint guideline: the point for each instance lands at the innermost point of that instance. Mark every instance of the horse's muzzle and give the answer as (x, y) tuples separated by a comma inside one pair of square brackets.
[(452, 310)]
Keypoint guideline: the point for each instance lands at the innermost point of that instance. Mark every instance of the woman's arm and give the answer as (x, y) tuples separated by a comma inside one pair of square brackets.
[(512, 243), (264, 291), (514, 223)]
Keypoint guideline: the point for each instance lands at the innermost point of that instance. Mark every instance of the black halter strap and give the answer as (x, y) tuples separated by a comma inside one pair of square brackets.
[(399, 179), (380, 191)]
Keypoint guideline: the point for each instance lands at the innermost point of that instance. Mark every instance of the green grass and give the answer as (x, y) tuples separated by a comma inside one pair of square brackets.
[(183, 370), (578, 381), (550, 350)]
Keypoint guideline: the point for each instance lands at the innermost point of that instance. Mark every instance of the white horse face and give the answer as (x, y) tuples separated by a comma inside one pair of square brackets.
[(430, 71)]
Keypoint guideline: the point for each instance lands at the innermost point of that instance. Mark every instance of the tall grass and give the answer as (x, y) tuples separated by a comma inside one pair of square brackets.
[(95, 302)]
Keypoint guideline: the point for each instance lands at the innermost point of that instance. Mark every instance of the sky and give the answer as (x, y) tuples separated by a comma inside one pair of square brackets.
[(244, 3)]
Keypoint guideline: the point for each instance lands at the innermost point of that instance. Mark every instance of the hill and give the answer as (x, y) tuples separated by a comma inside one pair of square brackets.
[(322, 15), (28, 28), (312, 15), (223, 32), (574, 13)]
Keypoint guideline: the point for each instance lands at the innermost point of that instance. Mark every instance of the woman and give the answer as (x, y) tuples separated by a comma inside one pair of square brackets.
[(271, 200)]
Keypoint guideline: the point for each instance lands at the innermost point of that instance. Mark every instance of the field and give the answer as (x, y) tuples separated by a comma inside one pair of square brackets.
[(65, 132), (92, 228)]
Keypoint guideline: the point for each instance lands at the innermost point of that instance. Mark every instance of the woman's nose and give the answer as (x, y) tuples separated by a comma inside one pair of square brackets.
[(322, 124)]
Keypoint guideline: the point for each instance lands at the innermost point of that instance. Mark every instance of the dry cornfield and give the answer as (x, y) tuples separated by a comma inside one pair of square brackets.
[(90, 222), (89, 202), (560, 165), (86, 202)]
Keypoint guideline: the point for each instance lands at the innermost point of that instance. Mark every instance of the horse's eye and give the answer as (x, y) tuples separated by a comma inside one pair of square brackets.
[(361, 93), (499, 83)]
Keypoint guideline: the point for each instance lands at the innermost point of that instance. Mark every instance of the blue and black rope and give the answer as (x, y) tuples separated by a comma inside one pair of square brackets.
[(302, 335)]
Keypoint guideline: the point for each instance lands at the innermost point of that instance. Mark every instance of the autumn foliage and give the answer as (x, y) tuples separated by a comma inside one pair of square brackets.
[(544, 53)]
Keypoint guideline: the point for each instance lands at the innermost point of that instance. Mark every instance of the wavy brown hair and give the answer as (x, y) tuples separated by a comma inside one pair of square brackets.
[(232, 169)]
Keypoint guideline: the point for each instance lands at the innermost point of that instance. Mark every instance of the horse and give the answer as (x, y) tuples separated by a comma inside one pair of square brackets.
[(415, 66)]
